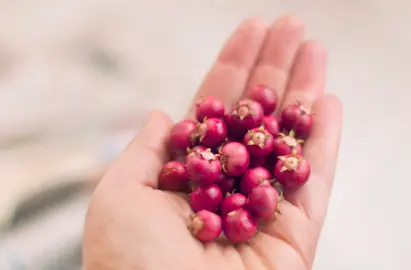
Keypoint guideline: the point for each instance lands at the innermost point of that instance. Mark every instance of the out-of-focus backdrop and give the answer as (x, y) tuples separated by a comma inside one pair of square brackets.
[(78, 77)]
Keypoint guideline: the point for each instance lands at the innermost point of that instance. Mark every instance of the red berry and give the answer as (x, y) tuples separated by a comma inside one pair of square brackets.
[(266, 97), (173, 176), (206, 197), (203, 167), (182, 136), (246, 114), (239, 226), (271, 125), (296, 117), (259, 142), (232, 202), (212, 132), (262, 202), (235, 158), (235, 132), (226, 183), (206, 226), (286, 144), (195, 149), (254, 177), (210, 108), (292, 171)]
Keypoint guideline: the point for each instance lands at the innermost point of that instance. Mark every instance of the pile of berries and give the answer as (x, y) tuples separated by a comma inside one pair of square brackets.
[(236, 165)]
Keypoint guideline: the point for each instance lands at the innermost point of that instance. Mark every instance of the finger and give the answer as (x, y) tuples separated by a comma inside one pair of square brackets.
[(308, 75), (144, 157), (321, 151), (278, 54), (226, 79), (293, 234), (251, 259)]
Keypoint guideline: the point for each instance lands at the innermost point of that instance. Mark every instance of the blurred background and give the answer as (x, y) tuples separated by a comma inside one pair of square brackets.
[(78, 77)]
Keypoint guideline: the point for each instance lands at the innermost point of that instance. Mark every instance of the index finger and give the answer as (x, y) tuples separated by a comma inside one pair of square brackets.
[(227, 78)]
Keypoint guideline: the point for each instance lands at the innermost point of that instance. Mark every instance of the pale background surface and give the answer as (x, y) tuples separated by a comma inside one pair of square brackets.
[(56, 105)]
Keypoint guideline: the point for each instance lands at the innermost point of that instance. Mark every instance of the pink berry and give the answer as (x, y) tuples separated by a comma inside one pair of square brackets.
[(266, 97), (212, 132), (173, 176), (286, 144), (259, 142), (209, 107), (296, 117), (235, 131), (232, 202), (262, 202), (204, 167), (182, 136), (206, 226), (271, 125), (239, 226), (246, 114), (254, 177), (192, 151), (235, 158), (292, 171), (226, 183), (206, 198)]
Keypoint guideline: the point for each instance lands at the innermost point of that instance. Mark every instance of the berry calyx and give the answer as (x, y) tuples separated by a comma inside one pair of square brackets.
[(196, 150), (259, 142), (286, 144), (257, 138), (246, 114), (203, 167), (290, 164), (243, 111)]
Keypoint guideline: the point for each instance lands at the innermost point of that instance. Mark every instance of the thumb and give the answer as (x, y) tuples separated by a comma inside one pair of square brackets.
[(145, 155)]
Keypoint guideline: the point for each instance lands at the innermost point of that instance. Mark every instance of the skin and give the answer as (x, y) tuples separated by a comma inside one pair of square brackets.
[(131, 224)]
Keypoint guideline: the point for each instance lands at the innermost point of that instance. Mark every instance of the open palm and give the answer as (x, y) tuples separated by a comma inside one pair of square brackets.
[(133, 225)]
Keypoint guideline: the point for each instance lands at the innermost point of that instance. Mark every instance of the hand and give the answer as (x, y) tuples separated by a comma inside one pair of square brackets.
[(133, 225)]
